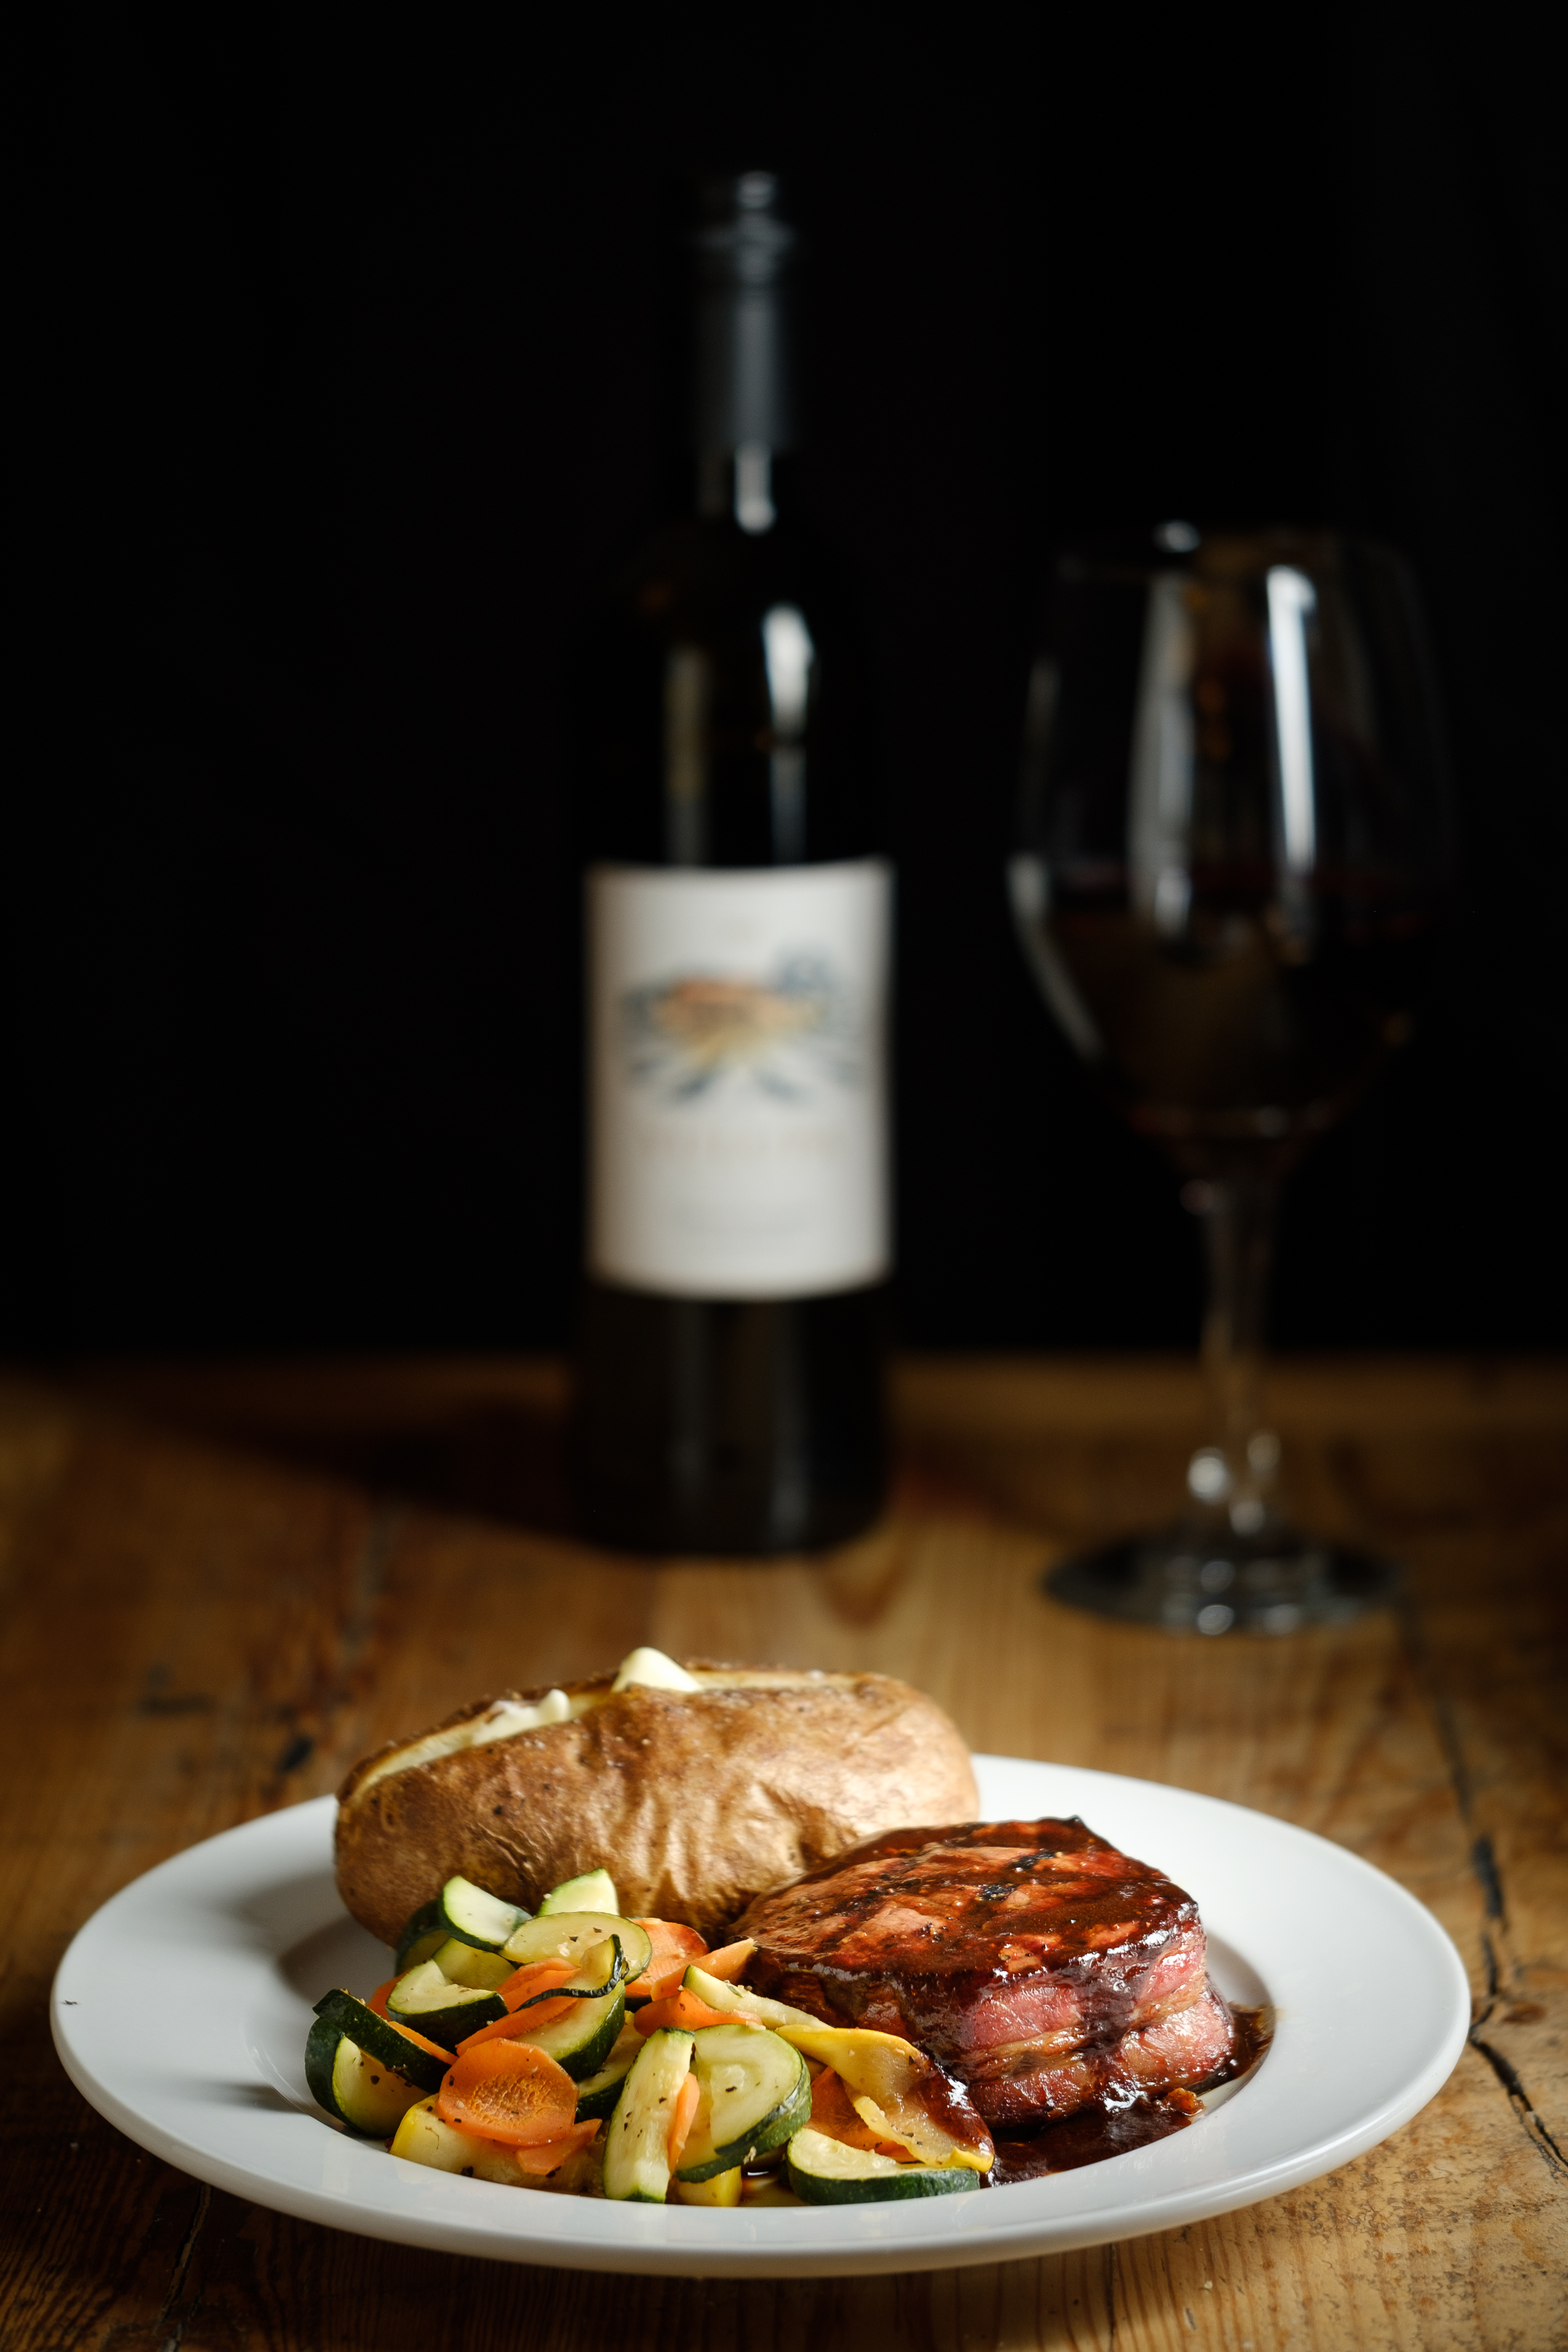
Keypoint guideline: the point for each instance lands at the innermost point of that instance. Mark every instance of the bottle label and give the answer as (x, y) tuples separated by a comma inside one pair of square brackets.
[(737, 1078)]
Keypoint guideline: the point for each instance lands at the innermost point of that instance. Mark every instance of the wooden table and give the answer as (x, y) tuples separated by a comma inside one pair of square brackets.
[(222, 1584)]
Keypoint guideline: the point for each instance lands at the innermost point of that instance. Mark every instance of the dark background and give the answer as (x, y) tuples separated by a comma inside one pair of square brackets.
[(349, 362)]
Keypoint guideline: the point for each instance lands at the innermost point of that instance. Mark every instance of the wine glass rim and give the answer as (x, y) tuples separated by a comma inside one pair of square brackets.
[(1217, 555)]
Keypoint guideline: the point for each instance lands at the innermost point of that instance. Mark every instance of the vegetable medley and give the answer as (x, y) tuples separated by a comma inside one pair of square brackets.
[(614, 2057)]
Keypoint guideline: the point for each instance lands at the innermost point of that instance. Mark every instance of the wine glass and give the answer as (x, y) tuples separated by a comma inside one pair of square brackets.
[(1233, 846)]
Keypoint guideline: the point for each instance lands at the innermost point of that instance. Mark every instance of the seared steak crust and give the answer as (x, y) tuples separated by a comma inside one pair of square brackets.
[(1042, 1967)]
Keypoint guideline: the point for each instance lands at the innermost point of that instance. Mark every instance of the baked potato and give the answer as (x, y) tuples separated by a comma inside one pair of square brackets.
[(695, 1799)]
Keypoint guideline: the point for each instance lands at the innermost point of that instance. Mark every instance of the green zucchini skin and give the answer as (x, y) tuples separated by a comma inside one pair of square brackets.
[(448, 2013), (444, 2012), (597, 2092), (609, 1980), (321, 2055), (823, 2171), (476, 1917), (349, 2016), (593, 1891), (593, 1988), (582, 2040), (423, 1936), (756, 2093), (372, 2099)]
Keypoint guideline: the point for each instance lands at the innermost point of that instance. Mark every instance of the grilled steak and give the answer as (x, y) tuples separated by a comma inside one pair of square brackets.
[(1043, 1969)]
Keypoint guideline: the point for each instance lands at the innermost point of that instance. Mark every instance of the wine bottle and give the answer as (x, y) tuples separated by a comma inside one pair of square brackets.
[(737, 915)]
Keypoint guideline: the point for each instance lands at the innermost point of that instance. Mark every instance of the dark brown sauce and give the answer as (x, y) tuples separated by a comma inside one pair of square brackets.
[(1089, 2137), (1095, 2134), (1254, 2032)]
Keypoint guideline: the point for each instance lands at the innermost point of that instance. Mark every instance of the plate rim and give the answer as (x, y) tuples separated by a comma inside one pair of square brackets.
[(998, 2236)]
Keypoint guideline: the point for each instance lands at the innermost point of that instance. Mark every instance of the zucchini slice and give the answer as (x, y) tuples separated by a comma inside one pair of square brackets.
[(594, 1890), (881, 2071), (897, 2090), (358, 2089), (637, 2149), (425, 1999), (463, 1963), (423, 2138), (597, 2092), (583, 2040), (755, 2092), (380, 2040), (476, 1917), (823, 2171), (720, 1995), (423, 1936), (568, 1934), (604, 1969)]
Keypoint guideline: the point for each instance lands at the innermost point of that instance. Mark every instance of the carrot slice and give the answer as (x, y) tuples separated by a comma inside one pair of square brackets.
[(538, 1976), (684, 2009), (377, 1999), (552, 2152), (683, 2115), (518, 2025), (420, 2041), (662, 1987), (729, 1961), (510, 2092), (547, 2154), (674, 1950)]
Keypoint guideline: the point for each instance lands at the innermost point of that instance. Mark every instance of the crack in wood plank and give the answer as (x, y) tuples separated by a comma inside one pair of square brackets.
[(1488, 1875), (171, 2343), (1519, 2098)]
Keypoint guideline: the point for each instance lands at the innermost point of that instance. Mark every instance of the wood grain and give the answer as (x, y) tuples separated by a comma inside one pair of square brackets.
[(220, 1584)]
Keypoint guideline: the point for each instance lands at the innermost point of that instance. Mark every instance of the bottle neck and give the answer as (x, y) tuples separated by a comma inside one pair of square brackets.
[(748, 486), (743, 419)]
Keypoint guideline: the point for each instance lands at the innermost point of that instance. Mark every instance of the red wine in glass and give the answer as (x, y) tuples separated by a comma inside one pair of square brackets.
[(1233, 849)]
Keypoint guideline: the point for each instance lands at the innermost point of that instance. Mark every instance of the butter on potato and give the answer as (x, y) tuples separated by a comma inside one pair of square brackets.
[(696, 1798)]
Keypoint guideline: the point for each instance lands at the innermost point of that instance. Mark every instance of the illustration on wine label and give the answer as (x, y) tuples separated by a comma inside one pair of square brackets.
[(789, 1034), (737, 1082)]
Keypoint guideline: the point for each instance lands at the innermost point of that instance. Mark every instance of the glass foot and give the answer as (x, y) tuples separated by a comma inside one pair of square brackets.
[(1212, 1582)]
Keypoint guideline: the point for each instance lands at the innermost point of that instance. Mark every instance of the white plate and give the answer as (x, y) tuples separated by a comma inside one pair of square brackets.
[(181, 2012)]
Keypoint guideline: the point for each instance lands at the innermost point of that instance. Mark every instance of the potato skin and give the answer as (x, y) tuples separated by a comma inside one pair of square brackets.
[(694, 1801)]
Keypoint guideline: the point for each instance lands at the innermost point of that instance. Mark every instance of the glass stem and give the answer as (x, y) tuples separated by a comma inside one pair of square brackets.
[(1239, 1219)]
